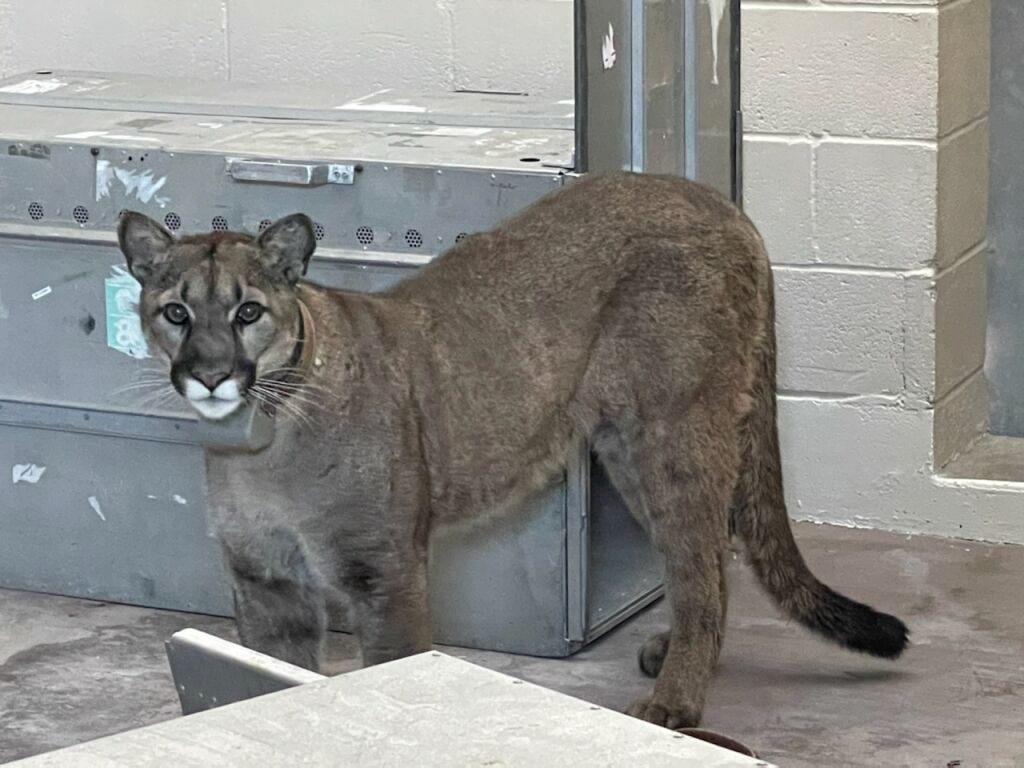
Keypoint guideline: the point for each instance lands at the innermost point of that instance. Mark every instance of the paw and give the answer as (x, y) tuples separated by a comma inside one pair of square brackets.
[(664, 714), (652, 654)]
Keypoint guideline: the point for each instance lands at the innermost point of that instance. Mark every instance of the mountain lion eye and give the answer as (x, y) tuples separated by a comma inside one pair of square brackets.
[(249, 312), (175, 314)]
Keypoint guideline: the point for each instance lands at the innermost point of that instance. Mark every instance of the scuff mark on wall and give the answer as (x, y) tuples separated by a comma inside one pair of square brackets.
[(26, 473), (4, 311), (142, 184), (95, 504), (179, 499)]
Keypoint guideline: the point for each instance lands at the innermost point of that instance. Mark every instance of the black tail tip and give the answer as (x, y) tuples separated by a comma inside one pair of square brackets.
[(862, 628), (883, 635)]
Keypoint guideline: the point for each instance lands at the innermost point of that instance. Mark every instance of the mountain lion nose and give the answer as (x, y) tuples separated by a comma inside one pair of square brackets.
[(211, 378)]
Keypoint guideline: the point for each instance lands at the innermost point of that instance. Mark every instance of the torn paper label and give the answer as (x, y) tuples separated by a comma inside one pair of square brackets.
[(608, 48), (26, 473), (124, 331), (95, 504)]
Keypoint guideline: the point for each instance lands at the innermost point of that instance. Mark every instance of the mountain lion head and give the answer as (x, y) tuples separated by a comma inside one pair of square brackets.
[(221, 307)]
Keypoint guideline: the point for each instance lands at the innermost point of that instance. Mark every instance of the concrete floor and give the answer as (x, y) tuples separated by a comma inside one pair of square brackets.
[(72, 670)]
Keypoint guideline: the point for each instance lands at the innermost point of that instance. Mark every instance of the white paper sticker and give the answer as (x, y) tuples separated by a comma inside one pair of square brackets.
[(124, 331)]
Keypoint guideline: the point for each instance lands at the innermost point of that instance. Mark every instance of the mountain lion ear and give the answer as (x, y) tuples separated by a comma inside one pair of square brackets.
[(145, 244), (287, 245)]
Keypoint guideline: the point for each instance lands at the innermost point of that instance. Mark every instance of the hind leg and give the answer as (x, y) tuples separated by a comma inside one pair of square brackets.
[(651, 655), (677, 475)]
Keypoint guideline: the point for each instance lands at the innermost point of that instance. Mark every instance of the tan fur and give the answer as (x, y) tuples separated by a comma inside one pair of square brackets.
[(631, 311)]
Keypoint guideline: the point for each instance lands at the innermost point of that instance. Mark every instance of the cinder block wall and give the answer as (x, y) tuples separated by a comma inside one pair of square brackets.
[(866, 155), (865, 167), (517, 45)]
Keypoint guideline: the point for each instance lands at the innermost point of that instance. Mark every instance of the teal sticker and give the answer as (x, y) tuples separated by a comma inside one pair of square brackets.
[(124, 332)]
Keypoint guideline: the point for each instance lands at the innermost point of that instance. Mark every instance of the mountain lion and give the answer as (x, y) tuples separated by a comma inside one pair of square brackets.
[(631, 311)]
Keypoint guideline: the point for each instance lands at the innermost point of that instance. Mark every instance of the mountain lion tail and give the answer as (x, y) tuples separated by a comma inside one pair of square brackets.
[(760, 519)]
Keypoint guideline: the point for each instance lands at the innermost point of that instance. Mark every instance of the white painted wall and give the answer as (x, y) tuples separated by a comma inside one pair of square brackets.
[(866, 169), (515, 45)]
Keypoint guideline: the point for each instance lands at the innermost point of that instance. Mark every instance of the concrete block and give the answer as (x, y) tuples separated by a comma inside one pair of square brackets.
[(963, 166), (919, 341), (840, 332), (777, 196), (961, 418), (865, 465), (820, 69), (365, 43), (848, 462), (184, 38), (960, 321), (964, 41), (875, 203), (514, 45)]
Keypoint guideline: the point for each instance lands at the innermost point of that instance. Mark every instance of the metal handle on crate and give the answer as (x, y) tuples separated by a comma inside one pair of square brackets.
[(297, 174)]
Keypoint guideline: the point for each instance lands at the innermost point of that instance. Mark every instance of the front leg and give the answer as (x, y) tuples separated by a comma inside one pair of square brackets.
[(390, 601), (280, 606)]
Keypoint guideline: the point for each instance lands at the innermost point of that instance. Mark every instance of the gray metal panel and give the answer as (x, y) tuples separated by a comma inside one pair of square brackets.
[(330, 102), (605, 37), (502, 584), (522, 558), (712, 92), (209, 672), (379, 213), (107, 518), (663, 87), (521, 584), (659, 92), (31, 132), (1004, 362), (624, 571)]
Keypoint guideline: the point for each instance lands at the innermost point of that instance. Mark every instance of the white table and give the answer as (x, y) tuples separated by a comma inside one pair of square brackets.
[(424, 711)]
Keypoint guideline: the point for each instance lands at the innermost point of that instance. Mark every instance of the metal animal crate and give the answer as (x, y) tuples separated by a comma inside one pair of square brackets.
[(106, 498)]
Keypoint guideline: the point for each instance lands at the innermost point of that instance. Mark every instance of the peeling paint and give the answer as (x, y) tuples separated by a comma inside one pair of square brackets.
[(717, 10), (383, 106), (140, 183), (453, 130), (26, 473), (33, 86), (95, 504), (180, 499), (608, 48), (82, 135)]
